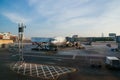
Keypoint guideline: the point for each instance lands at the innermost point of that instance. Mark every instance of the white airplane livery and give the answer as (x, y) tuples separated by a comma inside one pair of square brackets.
[(48, 43), (56, 40)]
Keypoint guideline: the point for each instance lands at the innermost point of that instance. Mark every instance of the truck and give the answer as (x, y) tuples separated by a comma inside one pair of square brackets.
[(112, 62)]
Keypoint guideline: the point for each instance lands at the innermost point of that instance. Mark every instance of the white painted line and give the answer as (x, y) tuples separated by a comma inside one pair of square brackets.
[(43, 71), (30, 70), (50, 72), (67, 70), (24, 69), (61, 70), (37, 70), (14, 66), (55, 70), (74, 56), (52, 57), (15, 55), (19, 68)]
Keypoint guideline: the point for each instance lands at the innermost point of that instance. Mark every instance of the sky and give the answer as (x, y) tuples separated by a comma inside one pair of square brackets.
[(50, 18)]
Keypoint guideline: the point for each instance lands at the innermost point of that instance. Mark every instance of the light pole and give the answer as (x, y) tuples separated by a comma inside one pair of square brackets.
[(20, 40)]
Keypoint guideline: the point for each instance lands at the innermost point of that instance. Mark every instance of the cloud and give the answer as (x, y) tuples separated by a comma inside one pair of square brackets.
[(16, 18), (110, 18), (55, 7), (61, 11), (81, 16)]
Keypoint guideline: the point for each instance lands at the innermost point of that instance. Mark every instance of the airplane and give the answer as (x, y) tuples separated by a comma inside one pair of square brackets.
[(48, 43), (58, 41)]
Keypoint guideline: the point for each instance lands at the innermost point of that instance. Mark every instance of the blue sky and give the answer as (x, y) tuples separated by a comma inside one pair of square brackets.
[(49, 18)]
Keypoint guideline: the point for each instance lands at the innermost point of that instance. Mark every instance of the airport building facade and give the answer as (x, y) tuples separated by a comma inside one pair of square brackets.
[(6, 38)]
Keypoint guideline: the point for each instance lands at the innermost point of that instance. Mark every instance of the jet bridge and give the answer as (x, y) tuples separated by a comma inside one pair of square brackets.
[(118, 41)]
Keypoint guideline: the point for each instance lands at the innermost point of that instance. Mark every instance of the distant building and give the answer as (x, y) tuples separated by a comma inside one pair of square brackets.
[(6, 38), (112, 35), (118, 39), (75, 36)]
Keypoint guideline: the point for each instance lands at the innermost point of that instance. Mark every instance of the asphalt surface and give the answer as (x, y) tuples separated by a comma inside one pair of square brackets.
[(69, 57)]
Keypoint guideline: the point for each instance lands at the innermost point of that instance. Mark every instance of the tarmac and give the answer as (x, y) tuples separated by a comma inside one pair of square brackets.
[(68, 57)]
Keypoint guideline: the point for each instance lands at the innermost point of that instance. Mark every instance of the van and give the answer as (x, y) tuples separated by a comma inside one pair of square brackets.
[(112, 62)]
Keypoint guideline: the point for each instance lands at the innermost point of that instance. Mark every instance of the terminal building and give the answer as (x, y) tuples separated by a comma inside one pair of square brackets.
[(112, 35), (6, 38)]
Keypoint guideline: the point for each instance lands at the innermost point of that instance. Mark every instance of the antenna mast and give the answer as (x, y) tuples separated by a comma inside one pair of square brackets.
[(20, 40)]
